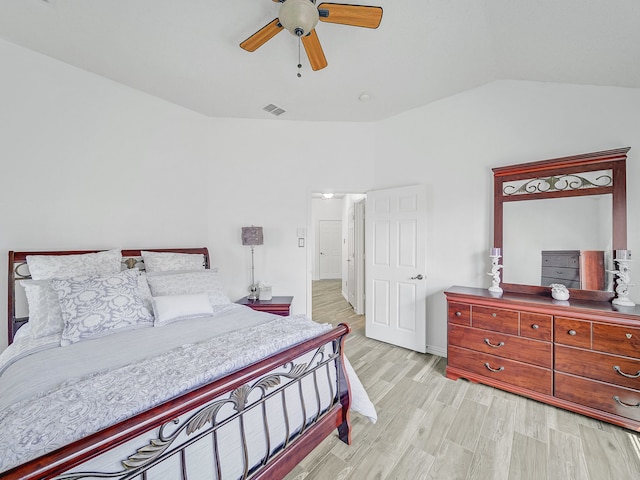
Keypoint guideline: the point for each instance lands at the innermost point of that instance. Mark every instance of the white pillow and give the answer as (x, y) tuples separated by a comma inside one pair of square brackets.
[(166, 261), (45, 316), (42, 267), (189, 283), (94, 306), (172, 308)]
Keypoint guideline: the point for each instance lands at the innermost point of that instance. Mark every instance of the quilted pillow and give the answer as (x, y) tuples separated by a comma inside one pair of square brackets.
[(172, 308), (94, 306), (167, 261), (45, 316), (189, 283), (42, 267)]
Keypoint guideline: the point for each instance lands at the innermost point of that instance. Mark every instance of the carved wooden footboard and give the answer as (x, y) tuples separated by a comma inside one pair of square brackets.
[(167, 432)]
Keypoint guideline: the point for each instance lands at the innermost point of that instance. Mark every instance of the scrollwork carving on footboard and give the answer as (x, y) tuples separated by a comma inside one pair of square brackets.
[(169, 439)]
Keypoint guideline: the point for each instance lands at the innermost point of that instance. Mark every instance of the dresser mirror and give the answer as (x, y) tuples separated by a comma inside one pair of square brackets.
[(559, 211)]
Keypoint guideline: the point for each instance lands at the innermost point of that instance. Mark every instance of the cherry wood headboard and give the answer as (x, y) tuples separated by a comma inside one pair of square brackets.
[(18, 271)]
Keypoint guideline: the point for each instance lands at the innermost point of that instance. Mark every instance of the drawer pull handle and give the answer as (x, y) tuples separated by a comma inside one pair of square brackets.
[(571, 332), (486, 340), (458, 314), (535, 326), (494, 315), (493, 369), (617, 369), (620, 402)]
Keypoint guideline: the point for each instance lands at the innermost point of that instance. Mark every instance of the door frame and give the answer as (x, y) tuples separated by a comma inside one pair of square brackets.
[(310, 242)]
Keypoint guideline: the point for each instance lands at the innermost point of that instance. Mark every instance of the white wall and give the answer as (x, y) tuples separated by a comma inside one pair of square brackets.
[(88, 163), (451, 146)]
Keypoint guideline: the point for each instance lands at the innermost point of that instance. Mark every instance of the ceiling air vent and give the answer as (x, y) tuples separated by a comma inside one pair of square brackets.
[(274, 109)]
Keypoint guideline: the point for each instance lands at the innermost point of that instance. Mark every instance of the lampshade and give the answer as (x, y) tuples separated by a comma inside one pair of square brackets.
[(298, 16), (252, 235)]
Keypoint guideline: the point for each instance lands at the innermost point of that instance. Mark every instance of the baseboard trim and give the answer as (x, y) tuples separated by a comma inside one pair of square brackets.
[(433, 350)]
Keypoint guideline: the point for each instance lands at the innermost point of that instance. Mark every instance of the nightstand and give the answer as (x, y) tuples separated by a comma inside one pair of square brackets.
[(277, 305)]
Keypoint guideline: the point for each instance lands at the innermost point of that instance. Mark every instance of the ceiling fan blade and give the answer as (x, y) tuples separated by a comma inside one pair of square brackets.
[(261, 37), (355, 15), (314, 51)]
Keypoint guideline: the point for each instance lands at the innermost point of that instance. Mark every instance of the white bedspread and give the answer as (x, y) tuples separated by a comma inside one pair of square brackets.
[(39, 381)]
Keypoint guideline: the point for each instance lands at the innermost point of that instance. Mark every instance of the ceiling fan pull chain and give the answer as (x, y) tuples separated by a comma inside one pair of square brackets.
[(299, 58)]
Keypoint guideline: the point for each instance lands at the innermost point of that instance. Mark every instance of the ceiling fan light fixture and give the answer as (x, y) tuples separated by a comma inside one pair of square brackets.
[(298, 16)]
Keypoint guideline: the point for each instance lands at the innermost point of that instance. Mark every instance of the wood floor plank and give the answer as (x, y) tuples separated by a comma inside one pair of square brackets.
[(490, 460), (528, 459), (433, 430), (566, 458), (452, 463), (604, 456), (467, 424), (531, 419), (414, 464)]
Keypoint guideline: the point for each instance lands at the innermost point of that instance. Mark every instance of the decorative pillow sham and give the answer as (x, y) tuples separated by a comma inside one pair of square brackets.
[(189, 283), (172, 308), (166, 261), (96, 306), (42, 267), (45, 316)]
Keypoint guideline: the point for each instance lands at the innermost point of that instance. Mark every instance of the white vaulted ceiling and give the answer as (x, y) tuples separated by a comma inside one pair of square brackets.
[(187, 51)]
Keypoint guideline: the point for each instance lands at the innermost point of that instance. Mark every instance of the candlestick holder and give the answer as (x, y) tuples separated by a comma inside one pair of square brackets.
[(495, 273), (623, 282)]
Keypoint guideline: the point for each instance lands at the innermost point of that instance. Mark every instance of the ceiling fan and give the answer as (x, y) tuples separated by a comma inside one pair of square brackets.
[(300, 17)]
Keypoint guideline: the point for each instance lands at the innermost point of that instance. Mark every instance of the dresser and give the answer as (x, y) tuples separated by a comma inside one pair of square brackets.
[(573, 268), (580, 355)]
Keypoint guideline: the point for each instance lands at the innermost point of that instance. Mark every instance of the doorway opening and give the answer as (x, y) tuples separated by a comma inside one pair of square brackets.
[(336, 247)]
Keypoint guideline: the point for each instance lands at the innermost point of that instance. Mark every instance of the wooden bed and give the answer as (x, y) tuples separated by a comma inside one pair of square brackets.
[(166, 432)]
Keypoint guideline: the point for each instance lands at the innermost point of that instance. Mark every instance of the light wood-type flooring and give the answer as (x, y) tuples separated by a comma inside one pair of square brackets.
[(430, 427)]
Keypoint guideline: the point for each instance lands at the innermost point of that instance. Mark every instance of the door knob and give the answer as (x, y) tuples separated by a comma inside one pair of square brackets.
[(417, 277)]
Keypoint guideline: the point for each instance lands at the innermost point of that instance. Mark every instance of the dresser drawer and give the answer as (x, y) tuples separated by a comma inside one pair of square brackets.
[(602, 396), (535, 325), (560, 260), (459, 313), (598, 366), (496, 319), (576, 333), (509, 371), (502, 345), (566, 274), (616, 339), (546, 281)]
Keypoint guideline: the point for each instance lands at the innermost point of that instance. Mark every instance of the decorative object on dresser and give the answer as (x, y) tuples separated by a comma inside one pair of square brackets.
[(277, 305), (574, 268), (252, 236), (495, 271), (559, 291), (623, 279), (583, 357)]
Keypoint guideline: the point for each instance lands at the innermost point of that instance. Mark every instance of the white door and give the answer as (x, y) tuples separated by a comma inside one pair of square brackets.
[(330, 249), (395, 239)]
